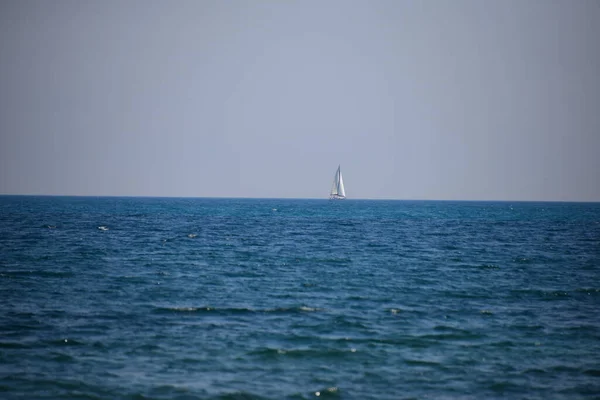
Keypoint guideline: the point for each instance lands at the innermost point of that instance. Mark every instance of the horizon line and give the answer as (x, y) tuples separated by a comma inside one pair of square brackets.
[(294, 198)]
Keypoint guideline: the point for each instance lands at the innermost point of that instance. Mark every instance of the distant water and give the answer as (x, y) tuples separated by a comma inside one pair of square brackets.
[(139, 298)]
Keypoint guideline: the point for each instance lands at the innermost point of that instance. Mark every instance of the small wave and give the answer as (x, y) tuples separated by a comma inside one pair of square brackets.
[(303, 353), (99, 345), (149, 347), (446, 328), (531, 328), (344, 223), (472, 266), (503, 387), (375, 245), (269, 352), (545, 294), (233, 310), (72, 385), (359, 298), (330, 392), (13, 345), (290, 310), (342, 321), (237, 396), (563, 368), (164, 391), (144, 349), (592, 372), (588, 291), (307, 309), (557, 295), (522, 260), (65, 342), (501, 344), (40, 273), (535, 371), (489, 266), (22, 327), (452, 336), (345, 260), (131, 279), (103, 228), (61, 357), (422, 363), (184, 309), (461, 294)]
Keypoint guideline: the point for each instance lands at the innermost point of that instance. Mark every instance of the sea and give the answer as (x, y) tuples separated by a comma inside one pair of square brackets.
[(202, 298)]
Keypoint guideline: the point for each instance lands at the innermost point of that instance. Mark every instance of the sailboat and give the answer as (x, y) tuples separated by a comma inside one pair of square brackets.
[(337, 190)]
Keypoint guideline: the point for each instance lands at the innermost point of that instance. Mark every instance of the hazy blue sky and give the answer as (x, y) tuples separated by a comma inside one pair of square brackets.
[(478, 99)]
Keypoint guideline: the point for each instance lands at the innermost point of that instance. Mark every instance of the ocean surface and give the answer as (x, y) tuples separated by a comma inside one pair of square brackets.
[(157, 298)]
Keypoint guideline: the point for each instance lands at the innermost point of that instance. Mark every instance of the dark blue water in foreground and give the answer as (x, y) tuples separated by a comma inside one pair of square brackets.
[(298, 299)]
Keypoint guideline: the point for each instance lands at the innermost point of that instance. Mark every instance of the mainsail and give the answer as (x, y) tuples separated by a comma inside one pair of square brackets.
[(337, 189)]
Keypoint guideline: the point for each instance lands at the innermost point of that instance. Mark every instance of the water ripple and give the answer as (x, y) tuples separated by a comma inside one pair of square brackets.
[(228, 299)]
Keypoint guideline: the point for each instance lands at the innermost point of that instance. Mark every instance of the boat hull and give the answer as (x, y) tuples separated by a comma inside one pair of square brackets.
[(337, 197)]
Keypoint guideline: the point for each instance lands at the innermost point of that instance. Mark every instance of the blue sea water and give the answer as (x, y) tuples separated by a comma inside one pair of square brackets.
[(150, 298)]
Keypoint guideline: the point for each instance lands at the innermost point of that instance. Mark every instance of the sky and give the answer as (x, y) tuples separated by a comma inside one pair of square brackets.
[(456, 100)]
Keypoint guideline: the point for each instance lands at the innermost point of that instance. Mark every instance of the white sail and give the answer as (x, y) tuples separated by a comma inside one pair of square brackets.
[(337, 189), (341, 190), (334, 187)]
